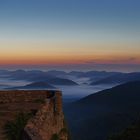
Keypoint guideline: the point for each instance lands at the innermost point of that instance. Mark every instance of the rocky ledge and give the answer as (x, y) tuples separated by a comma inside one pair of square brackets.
[(47, 123)]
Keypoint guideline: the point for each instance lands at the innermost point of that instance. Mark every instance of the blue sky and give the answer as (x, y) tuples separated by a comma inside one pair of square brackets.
[(117, 18), (97, 22)]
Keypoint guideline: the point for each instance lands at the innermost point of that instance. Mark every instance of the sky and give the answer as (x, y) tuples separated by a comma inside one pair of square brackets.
[(70, 34)]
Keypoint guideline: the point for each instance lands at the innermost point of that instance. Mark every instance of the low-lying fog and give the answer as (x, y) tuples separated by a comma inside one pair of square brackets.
[(5, 83), (70, 93)]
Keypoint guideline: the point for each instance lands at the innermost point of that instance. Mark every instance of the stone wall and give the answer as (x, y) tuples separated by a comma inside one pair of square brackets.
[(48, 122), (25, 95)]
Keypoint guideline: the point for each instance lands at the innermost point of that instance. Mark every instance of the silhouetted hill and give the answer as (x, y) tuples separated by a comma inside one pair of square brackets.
[(99, 115), (61, 81), (39, 85), (119, 78), (34, 76), (36, 85)]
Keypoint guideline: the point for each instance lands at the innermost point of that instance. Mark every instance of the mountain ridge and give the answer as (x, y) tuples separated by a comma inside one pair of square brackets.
[(99, 115)]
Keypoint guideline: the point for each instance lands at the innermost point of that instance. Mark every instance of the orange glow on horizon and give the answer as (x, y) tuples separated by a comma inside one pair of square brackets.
[(22, 52), (72, 59)]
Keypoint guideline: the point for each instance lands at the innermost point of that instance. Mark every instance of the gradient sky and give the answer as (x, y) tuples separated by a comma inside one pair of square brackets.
[(72, 34)]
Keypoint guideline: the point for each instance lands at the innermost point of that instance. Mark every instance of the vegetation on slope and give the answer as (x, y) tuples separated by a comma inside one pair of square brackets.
[(14, 129), (131, 133), (99, 115)]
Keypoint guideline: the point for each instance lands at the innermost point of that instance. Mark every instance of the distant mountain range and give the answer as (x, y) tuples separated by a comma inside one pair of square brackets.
[(55, 73), (55, 77), (35, 76), (118, 78), (48, 84), (102, 114), (92, 74)]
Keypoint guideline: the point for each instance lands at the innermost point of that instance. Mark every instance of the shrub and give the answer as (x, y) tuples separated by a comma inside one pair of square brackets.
[(14, 129), (55, 137)]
